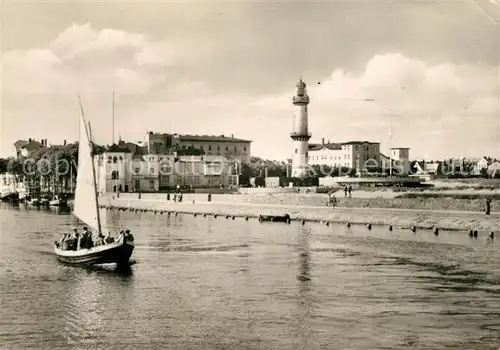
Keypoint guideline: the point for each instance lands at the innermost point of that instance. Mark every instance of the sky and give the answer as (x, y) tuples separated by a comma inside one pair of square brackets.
[(425, 71)]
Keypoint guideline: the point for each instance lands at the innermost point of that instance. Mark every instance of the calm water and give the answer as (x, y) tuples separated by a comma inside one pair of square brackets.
[(204, 283)]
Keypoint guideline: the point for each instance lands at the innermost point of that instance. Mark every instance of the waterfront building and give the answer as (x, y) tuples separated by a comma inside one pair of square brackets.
[(229, 147), (25, 148), (401, 160), (300, 134), (481, 166), (120, 170), (352, 154)]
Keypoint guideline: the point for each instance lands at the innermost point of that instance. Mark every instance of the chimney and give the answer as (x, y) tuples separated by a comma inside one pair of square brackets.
[(29, 140), (232, 136), (45, 143), (323, 141), (41, 141), (64, 143)]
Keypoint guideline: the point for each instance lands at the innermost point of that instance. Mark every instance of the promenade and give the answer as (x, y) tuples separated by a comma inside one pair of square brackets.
[(398, 218)]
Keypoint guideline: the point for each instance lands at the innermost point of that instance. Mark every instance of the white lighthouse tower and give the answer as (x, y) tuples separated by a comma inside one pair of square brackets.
[(300, 134)]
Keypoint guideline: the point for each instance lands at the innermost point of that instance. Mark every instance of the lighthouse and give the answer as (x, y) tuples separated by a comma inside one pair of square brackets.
[(300, 134)]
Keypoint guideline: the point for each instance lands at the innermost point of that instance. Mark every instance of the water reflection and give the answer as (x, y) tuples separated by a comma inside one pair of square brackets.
[(304, 297), (217, 283), (95, 295)]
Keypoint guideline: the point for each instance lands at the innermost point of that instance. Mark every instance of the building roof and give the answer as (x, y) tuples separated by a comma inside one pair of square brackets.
[(213, 138), (114, 148), (319, 146), (19, 144), (359, 143), (32, 146), (400, 148), (315, 146)]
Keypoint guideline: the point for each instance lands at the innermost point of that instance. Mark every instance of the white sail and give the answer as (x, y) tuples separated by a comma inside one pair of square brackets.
[(85, 193)]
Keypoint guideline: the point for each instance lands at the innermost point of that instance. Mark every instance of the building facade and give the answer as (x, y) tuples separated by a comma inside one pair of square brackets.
[(352, 154), (231, 147), (123, 171), (300, 134), (401, 161)]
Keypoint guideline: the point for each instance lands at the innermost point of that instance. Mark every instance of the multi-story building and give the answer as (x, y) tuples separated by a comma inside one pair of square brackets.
[(401, 160), (352, 154), (120, 170), (25, 148), (229, 147)]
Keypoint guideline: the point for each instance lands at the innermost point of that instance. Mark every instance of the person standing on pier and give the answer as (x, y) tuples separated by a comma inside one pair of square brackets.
[(349, 189), (345, 191), (488, 206)]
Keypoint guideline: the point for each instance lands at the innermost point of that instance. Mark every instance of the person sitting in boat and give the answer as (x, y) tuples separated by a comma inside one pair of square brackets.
[(60, 244), (87, 242), (73, 241), (82, 244), (109, 239), (100, 240), (128, 236)]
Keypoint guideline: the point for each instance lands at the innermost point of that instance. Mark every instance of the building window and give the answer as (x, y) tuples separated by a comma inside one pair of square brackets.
[(110, 159), (114, 175), (235, 149), (115, 159), (151, 184), (244, 149), (137, 171), (152, 171), (137, 184), (121, 158), (218, 148), (164, 179), (227, 148), (296, 151), (209, 148)]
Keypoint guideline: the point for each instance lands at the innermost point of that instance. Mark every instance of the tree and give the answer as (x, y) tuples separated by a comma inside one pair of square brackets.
[(3, 165), (15, 167)]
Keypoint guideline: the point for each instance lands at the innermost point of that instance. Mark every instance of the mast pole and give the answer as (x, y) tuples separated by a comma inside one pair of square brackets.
[(113, 120), (88, 131), (95, 180)]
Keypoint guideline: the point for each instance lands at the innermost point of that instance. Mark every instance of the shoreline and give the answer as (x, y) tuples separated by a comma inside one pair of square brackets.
[(397, 218), (360, 199)]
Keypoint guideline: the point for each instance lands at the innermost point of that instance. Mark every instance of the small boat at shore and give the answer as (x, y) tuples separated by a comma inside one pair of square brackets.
[(34, 201), (275, 218), (86, 209), (56, 202)]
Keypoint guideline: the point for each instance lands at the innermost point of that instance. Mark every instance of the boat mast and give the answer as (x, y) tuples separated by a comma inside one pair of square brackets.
[(94, 178), (113, 121)]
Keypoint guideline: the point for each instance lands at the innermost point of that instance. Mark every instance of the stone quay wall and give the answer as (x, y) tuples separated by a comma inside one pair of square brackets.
[(402, 218)]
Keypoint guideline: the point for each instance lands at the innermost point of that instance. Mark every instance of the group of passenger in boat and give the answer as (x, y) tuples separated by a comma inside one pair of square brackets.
[(76, 241)]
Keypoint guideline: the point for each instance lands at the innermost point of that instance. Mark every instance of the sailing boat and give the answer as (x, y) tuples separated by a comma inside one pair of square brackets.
[(86, 208)]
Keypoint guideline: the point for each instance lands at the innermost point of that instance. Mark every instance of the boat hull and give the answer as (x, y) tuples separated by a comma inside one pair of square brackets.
[(118, 253)]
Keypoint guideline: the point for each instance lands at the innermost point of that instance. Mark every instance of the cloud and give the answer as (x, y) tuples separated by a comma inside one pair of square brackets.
[(78, 39), (438, 110), (85, 59)]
